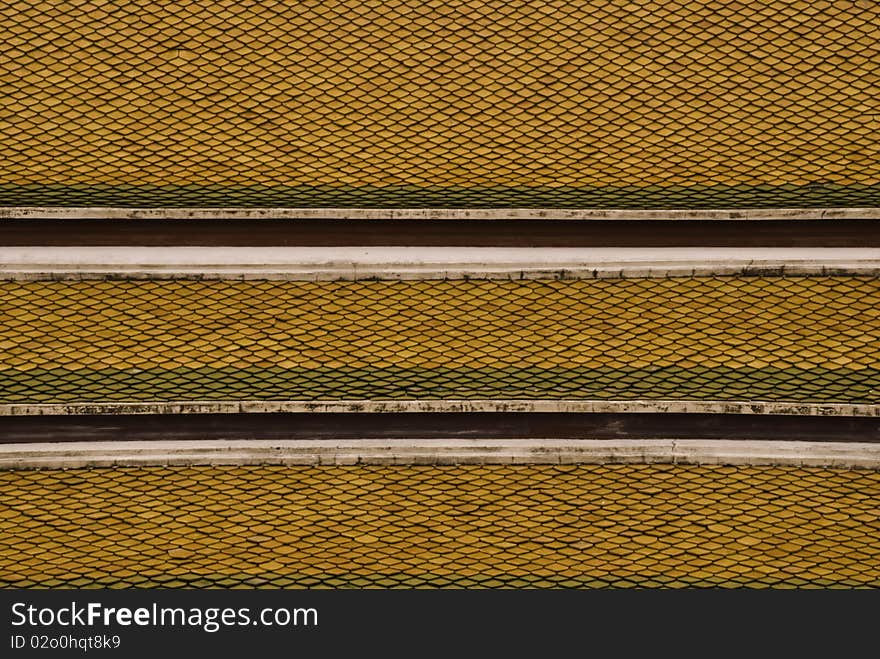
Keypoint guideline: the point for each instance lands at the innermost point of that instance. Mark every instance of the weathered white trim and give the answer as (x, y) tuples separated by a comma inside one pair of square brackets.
[(396, 263), (115, 213), (438, 452), (388, 406)]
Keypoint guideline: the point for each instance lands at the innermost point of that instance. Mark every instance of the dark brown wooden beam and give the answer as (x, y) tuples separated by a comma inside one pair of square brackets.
[(480, 425), (500, 233)]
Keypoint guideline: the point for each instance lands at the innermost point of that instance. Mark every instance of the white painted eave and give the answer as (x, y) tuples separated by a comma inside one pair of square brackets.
[(119, 213), (72, 455), (646, 406), (407, 263)]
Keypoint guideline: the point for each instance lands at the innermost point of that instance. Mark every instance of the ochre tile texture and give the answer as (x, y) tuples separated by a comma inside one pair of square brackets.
[(525, 526), (729, 338), (384, 103)]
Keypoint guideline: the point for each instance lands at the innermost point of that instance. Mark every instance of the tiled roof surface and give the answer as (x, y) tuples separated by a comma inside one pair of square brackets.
[(730, 103), (723, 338), (440, 527)]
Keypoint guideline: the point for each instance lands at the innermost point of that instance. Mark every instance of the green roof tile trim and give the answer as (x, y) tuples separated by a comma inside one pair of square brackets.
[(155, 578), (818, 385), (815, 195)]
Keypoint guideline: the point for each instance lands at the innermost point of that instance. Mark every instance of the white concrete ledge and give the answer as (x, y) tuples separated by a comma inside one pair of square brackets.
[(402, 406), (115, 213), (406, 263), (75, 455)]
